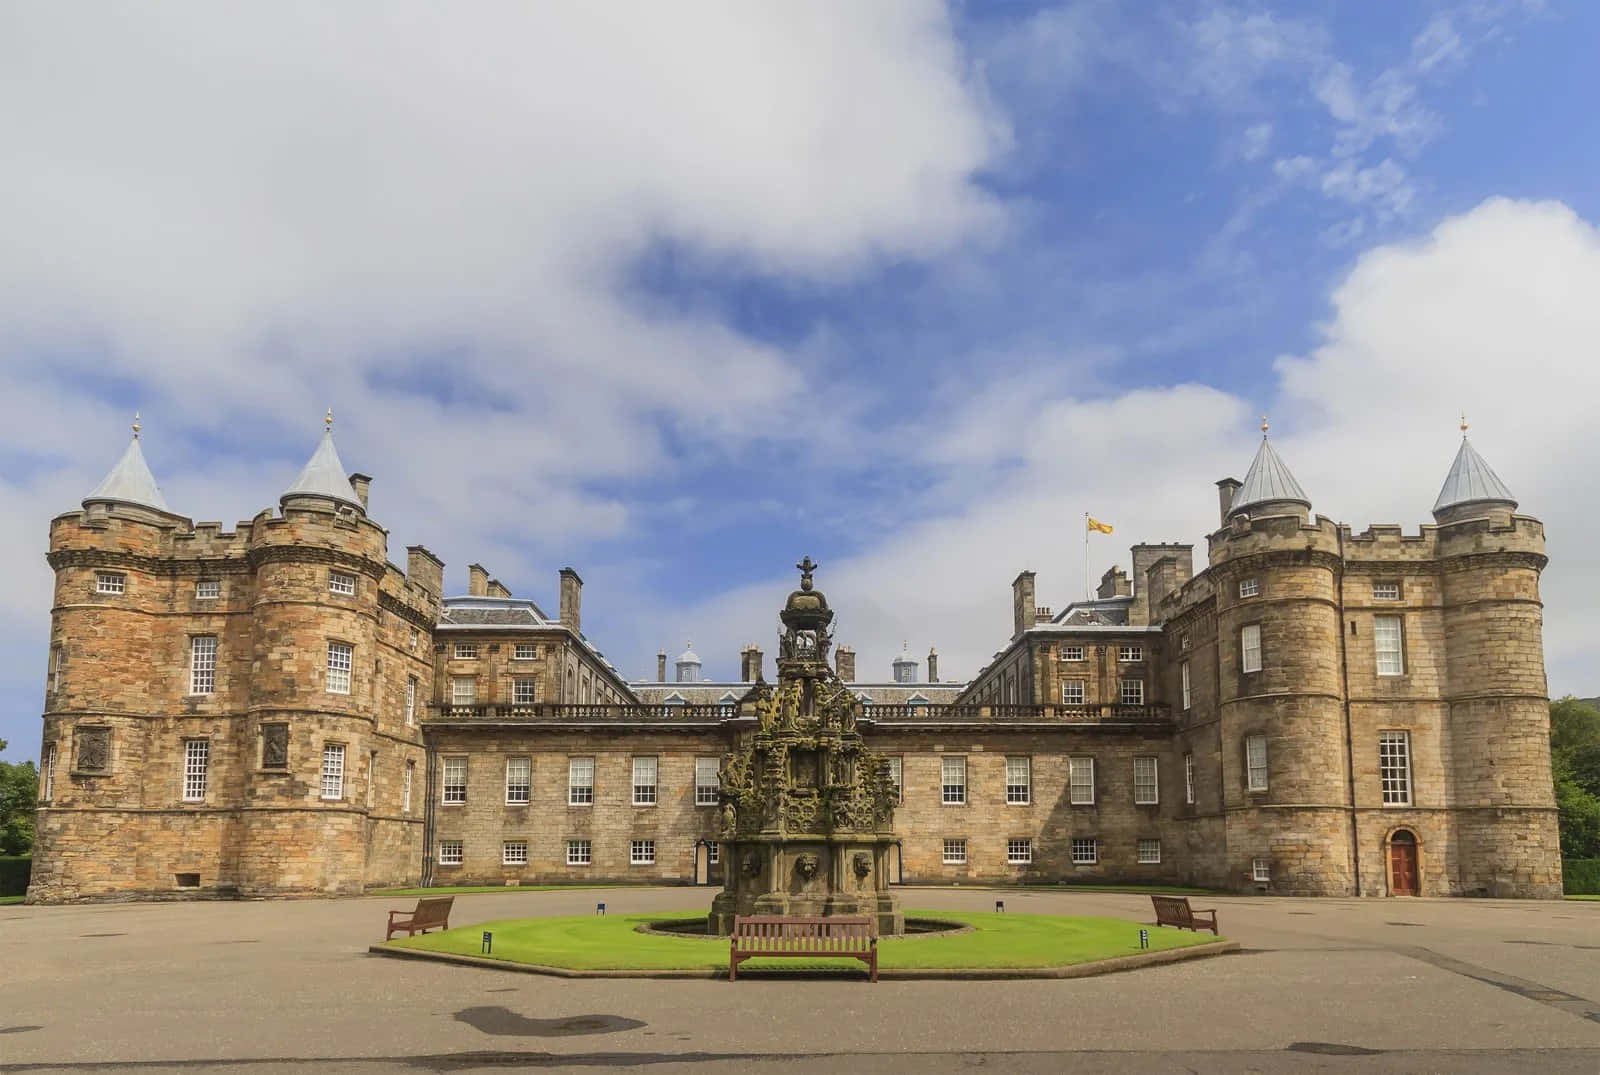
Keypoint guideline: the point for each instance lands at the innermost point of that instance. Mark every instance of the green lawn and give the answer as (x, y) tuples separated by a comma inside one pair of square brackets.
[(590, 942), (1137, 890), (1575, 896), (447, 890), (4, 900)]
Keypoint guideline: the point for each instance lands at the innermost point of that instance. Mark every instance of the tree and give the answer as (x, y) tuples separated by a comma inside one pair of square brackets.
[(1575, 765), (19, 796)]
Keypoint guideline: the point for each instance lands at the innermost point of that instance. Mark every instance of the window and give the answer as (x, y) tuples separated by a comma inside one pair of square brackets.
[(953, 781), (523, 691), (1249, 587), (644, 782), (519, 779), (514, 853), (1072, 653), (1255, 760), (1130, 653), (1394, 767), (411, 700), (1149, 852), (1080, 781), (450, 852), (413, 639), (110, 582), (1183, 643), (713, 853), (1391, 652), (1386, 591), (466, 651), (706, 782), (47, 775), (955, 852), (454, 785), (372, 778), (524, 651), (580, 781), (58, 666), (1019, 781), (207, 590), (1250, 647), (1188, 779), (579, 853), (196, 757), (202, 664), (341, 658), (896, 771), (641, 853), (405, 788), (333, 770), (1260, 870), (1019, 852), (1146, 791), (463, 690), (1085, 851), (341, 582), (1183, 674), (1132, 692), (1072, 692)]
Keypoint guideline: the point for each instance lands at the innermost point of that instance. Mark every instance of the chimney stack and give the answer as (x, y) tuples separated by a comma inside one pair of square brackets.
[(750, 660), (661, 666), (1023, 609), (477, 580), (498, 589), (361, 483), (844, 662), (424, 569), (571, 600), (1225, 490), (1114, 583), (933, 665)]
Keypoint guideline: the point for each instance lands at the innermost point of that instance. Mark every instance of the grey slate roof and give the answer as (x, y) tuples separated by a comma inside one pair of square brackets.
[(324, 475), (1268, 480), (1471, 481), (131, 482)]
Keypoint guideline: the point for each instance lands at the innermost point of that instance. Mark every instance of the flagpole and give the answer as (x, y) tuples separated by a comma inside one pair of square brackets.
[(1086, 556)]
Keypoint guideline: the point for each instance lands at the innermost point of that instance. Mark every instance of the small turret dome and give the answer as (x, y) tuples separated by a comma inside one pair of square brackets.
[(324, 475), (1268, 486), (1471, 484), (130, 481)]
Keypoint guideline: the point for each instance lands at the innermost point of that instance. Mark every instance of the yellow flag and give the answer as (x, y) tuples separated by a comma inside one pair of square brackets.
[(1096, 524)]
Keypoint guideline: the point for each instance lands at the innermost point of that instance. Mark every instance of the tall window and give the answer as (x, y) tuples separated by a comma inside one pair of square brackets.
[(644, 782), (1019, 852), (1250, 647), (896, 771), (202, 664), (405, 788), (1386, 591), (341, 658), (1391, 654), (463, 690), (514, 853), (1132, 692), (1149, 852), (579, 853), (412, 639), (58, 666), (1072, 653), (48, 781), (1183, 675), (713, 853), (454, 785), (341, 582), (1394, 767), (411, 700), (524, 651), (524, 690), (196, 758), (110, 582), (953, 781), (466, 651), (1249, 587), (1072, 692), (1085, 851), (1146, 791), (333, 770), (1255, 760), (706, 782), (372, 778), (955, 852), (641, 853), (1130, 653), (451, 852), (1080, 781), (580, 781), (1188, 779), (1019, 781), (519, 779), (207, 590)]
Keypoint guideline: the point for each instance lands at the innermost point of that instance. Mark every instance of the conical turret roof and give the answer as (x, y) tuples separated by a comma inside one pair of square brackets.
[(324, 474), (1268, 480), (1471, 481), (130, 481)]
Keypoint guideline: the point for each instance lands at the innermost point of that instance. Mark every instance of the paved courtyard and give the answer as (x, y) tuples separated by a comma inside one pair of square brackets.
[(1322, 985)]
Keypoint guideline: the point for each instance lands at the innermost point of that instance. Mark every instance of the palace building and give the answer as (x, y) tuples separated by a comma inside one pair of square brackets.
[(278, 709)]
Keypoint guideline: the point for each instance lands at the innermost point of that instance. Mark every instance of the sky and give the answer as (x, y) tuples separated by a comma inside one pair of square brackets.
[(678, 294)]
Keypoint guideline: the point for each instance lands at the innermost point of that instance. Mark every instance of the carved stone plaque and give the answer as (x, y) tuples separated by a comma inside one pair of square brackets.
[(94, 749), (274, 746)]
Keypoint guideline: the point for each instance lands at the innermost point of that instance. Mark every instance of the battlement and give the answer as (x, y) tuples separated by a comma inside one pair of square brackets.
[(1248, 535)]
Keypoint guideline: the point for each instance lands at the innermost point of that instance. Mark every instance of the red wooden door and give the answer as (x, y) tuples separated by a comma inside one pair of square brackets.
[(1403, 864)]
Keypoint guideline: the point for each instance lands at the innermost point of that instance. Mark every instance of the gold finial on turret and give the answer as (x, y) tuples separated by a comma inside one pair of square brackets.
[(1263, 425), (1463, 423), (135, 425), (327, 421)]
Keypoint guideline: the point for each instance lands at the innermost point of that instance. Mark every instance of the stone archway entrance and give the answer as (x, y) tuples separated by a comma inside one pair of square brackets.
[(1405, 873)]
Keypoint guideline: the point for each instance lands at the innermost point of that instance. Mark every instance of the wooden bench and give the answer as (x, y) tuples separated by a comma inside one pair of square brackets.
[(803, 937), (1175, 911), (432, 912)]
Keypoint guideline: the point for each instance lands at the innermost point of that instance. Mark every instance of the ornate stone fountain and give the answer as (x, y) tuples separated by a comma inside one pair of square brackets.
[(808, 810)]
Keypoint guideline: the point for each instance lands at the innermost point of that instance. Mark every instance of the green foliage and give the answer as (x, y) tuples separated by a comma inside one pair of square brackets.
[(14, 871), (1575, 765), (1581, 877), (19, 796)]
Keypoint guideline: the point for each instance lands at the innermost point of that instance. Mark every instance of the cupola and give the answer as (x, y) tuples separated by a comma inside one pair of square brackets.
[(905, 665), (688, 665), (1268, 487), (324, 477), (129, 483), (1472, 489)]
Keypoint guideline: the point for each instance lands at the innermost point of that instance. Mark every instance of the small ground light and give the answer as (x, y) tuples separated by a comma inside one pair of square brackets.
[(488, 941), (1144, 938), (999, 905), (599, 908)]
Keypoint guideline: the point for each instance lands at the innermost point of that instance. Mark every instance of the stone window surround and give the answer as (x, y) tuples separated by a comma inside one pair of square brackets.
[(58, 664), (461, 696), (525, 690)]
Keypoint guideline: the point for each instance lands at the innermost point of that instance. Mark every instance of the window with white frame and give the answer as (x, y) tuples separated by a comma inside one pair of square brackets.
[(58, 666), (524, 690), (706, 782), (1260, 870), (1249, 587), (1019, 852), (333, 771), (1386, 634), (1072, 692), (1255, 762), (196, 759), (514, 853), (1072, 653), (1080, 781), (519, 780), (1019, 781), (207, 590), (1188, 779), (580, 781), (414, 637), (896, 769), (524, 651), (579, 853), (411, 700), (713, 853), (463, 690), (1085, 851), (1149, 852), (1146, 790), (641, 853), (1132, 692), (1394, 767), (405, 787), (110, 582), (451, 852), (953, 781), (466, 651), (47, 782), (1386, 591), (1250, 647), (341, 658), (1183, 676), (644, 781), (202, 664), (1183, 643), (1130, 653), (342, 582), (955, 852), (453, 785)]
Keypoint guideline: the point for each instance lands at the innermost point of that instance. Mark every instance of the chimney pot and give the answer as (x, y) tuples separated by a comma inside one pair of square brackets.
[(361, 483)]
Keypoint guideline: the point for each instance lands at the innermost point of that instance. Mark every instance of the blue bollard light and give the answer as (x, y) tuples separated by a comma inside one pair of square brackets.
[(599, 908), (999, 906)]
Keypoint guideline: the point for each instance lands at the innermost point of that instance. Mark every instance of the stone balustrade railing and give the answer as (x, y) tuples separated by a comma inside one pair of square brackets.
[(911, 713)]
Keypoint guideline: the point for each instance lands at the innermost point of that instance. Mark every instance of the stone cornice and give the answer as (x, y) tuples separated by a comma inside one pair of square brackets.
[(150, 565), (390, 603)]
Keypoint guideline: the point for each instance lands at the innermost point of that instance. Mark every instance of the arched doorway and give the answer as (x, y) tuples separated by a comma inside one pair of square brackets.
[(1405, 872)]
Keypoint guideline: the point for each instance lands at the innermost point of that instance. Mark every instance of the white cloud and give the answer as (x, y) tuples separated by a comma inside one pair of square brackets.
[(1385, 186), (1257, 139)]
